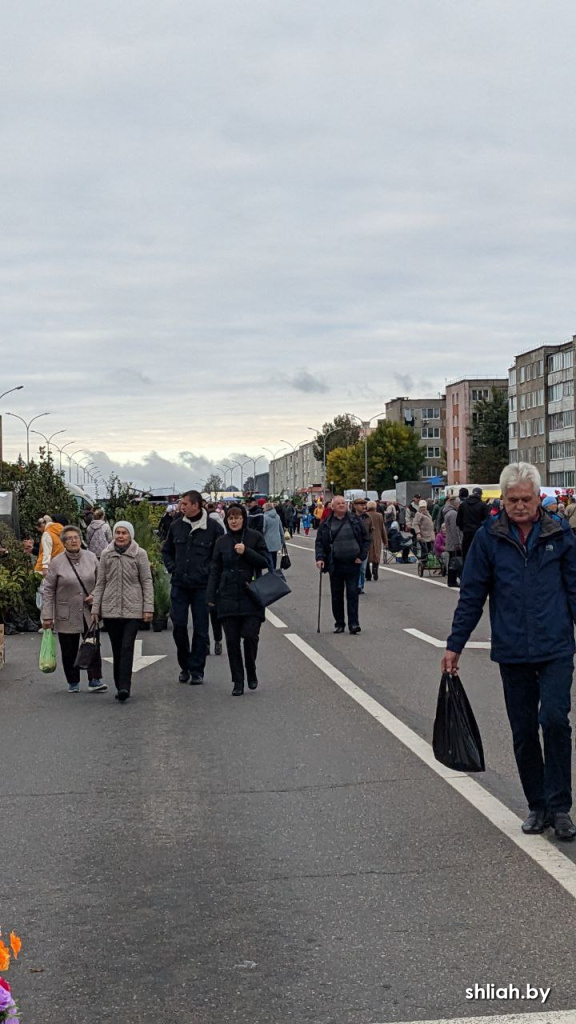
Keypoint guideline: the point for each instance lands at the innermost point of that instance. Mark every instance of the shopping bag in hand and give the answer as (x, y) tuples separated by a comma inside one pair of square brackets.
[(88, 656), (47, 661), (456, 740)]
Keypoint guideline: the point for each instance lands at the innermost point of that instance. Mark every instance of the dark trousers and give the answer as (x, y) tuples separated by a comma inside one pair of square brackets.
[(122, 633), (372, 570), (216, 627), (272, 560), (467, 539), (190, 658), (69, 644), (246, 628), (538, 694), (345, 578)]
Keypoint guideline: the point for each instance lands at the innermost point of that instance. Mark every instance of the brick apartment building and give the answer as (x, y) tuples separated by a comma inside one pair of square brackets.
[(427, 417), (461, 396), (541, 412)]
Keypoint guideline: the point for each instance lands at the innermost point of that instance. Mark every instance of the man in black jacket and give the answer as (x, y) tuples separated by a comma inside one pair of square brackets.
[(187, 554), (341, 546), (471, 514), (255, 515)]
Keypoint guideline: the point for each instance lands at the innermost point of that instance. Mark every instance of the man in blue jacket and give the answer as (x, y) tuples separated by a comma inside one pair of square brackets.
[(526, 563)]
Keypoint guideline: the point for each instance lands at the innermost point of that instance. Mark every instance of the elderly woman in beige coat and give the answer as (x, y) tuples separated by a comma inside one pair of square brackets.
[(66, 601), (423, 526), (123, 596), (378, 537)]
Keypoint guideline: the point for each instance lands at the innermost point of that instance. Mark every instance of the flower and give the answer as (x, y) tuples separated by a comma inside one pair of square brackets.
[(16, 943), (4, 984), (4, 956), (6, 1000)]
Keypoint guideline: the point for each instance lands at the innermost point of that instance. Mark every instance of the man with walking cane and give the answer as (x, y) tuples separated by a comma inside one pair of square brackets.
[(341, 546)]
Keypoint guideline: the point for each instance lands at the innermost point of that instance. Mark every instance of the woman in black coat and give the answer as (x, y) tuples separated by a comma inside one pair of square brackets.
[(239, 556)]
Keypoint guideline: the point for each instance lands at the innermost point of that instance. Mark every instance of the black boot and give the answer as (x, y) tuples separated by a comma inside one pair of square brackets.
[(238, 689)]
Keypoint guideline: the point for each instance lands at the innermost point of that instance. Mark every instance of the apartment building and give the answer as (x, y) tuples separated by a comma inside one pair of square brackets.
[(461, 397), (541, 412), (295, 471), (427, 417)]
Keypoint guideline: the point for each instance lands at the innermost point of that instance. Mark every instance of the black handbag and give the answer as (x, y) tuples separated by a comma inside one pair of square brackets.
[(285, 562), (89, 656), (268, 588)]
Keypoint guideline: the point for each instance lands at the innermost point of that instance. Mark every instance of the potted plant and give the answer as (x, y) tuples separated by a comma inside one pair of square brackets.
[(161, 599)]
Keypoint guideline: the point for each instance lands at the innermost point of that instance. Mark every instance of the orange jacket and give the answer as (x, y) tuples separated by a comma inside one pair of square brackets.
[(53, 547)]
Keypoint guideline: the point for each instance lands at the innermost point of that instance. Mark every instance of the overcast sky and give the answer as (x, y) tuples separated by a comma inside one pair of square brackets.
[(224, 221)]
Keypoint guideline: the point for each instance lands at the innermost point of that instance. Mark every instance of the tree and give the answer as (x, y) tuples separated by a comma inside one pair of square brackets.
[(213, 484), (119, 496), (392, 449), (40, 491), (345, 433), (488, 435)]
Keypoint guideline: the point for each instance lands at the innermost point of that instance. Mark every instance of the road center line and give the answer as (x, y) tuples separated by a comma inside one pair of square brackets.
[(538, 848), (419, 579), (478, 645), (290, 544)]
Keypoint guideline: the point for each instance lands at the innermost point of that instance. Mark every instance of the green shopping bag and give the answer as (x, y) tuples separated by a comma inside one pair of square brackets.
[(47, 661)]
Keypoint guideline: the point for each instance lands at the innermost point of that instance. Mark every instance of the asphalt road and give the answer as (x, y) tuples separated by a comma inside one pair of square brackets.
[(195, 858)]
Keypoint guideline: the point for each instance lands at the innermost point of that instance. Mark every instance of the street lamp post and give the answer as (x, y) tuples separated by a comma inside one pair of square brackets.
[(324, 436), (9, 392), (49, 439), (366, 427), (27, 425), (70, 457), (225, 469), (254, 461), (274, 457), (64, 446), (294, 450)]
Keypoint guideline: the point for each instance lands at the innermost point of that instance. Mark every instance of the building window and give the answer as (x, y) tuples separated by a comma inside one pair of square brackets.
[(432, 453), (512, 376), (512, 403), (540, 367), (522, 374), (561, 361), (559, 420), (565, 479), (555, 392), (562, 450), (430, 432), (513, 430), (430, 414), (522, 402), (479, 394)]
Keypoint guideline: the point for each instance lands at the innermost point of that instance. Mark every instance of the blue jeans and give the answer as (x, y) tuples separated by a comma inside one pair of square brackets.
[(190, 659), (537, 694), (362, 576)]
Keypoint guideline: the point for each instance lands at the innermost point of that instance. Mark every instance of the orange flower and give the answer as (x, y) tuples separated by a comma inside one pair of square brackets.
[(16, 943), (4, 956)]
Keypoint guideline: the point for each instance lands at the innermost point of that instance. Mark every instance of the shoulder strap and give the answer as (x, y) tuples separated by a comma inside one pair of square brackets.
[(76, 574)]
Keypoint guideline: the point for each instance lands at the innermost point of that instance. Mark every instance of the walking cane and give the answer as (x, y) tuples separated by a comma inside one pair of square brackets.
[(319, 598)]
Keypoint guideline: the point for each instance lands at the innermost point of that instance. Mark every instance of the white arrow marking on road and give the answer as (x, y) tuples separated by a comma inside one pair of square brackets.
[(141, 660), (477, 645)]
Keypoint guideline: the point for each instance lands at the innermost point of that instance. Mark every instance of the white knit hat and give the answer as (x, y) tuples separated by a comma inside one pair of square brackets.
[(127, 526)]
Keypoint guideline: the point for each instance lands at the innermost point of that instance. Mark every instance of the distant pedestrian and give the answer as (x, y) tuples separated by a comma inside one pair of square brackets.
[(239, 556), (66, 603), (273, 533), (378, 539), (341, 546), (424, 529), (255, 515), (471, 515), (123, 597), (359, 510), (98, 534)]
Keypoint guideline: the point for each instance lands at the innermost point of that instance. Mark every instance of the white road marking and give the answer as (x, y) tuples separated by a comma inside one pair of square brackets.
[(290, 544), (140, 660), (274, 620), (419, 579), (477, 645), (538, 848), (554, 1017)]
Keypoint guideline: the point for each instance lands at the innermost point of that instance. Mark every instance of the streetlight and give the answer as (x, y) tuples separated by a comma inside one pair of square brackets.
[(27, 425), (70, 457), (254, 461), (324, 436), (9, 392), (241, 464), (274, 457), (64, 446), (48, 439), (366, 427), (294, 450), (225, 469)]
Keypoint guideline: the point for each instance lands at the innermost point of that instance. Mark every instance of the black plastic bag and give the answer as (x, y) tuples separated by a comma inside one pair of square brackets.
[(285, 562), (456, 739)]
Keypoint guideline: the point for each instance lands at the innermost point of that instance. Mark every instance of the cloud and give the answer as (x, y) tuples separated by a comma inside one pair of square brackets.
[(188, 470), (307, 382)]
